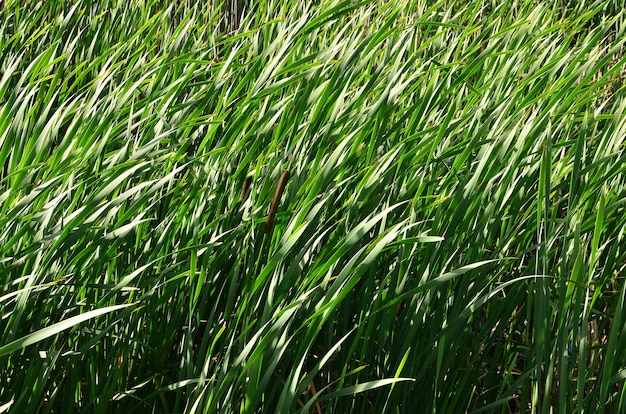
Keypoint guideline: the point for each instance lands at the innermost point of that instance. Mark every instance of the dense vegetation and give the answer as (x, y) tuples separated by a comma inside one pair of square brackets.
[(449, 236)]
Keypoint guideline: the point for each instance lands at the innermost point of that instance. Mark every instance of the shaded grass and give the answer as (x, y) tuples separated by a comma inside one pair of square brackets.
[(449, 238)]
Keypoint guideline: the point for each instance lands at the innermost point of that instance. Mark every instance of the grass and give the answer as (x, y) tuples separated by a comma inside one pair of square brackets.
[(310, 207)]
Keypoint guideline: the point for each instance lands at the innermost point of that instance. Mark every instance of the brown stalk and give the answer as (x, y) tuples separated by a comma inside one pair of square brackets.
[(277, 195), (244, 189)]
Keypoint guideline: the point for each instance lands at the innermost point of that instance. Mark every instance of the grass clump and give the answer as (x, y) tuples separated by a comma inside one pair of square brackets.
[(331, 206)]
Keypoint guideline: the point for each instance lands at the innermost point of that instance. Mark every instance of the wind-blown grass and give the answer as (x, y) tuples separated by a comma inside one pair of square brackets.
[(449, 235)]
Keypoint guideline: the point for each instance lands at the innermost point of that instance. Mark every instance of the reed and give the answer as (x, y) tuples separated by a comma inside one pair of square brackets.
[(448, 236)]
